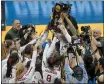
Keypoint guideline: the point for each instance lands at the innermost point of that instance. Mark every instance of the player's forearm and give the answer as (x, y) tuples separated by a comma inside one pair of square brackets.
[(32, 65), (33, 61), (52, 47), (68, 72), (31, 42), (44, 36), (67, 36), (94, 47), (71, 26), (42, 39), (25, 36), (44, 60)]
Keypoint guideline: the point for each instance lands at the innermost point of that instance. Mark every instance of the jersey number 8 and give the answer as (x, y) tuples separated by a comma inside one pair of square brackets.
[(48, 78)]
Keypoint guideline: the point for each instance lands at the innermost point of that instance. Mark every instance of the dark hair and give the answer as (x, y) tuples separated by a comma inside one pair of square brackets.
[(28, 50), (88, 59), (8, 43), (38, 65), (90, 67), (28, 64), (101, 61), (51, 61), (25, 27), (40, 55), (78, 71), (21, 34), (56, 60), (57, 81), (12, 60), (13, 49), (58, 46)]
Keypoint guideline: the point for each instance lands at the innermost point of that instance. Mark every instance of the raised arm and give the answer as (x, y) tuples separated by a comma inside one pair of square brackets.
[(44, 59), (81, 64), (68, 70), (31, 42), (32, 65), (94, 44), (40, 40), (52, 47), (65, 33), (71, 26)]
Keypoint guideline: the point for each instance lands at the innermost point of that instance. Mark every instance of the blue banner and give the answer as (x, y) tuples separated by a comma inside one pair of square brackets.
[(38, 12)]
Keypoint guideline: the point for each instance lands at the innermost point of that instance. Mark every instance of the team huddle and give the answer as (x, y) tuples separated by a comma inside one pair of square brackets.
[(18, 69)]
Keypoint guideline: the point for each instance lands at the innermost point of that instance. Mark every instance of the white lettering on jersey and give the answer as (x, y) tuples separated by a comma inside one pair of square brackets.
[(49, 76)]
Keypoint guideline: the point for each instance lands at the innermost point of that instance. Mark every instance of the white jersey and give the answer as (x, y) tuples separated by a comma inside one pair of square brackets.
[(4, 70), (63, 47), (4, 62), (29, 74), (6, 59), (36, 78), (49, 75)]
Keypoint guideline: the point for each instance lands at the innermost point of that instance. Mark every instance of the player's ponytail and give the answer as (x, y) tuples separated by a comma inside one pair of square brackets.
[(57, 81), (12, 60), (51, 61), (28, 51), (9, 67)]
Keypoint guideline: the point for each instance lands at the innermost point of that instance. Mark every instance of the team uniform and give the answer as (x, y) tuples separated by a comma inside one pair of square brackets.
[(19, 53), (4, 70), (26, 60), (49, 75), (29, 74), (36, 78), (5, 60), (64, 41)]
